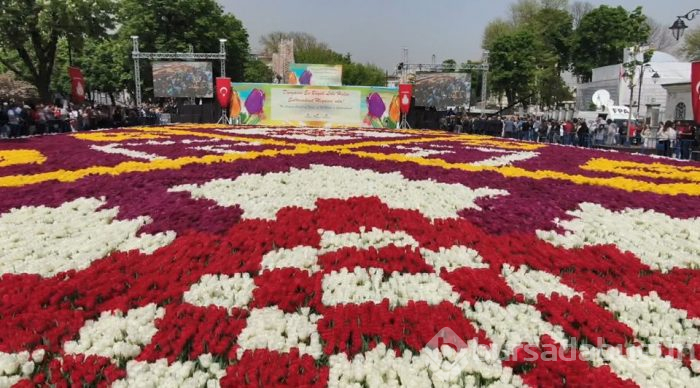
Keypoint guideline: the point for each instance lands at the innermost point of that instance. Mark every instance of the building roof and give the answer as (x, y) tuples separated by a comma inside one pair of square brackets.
[(661, 57)]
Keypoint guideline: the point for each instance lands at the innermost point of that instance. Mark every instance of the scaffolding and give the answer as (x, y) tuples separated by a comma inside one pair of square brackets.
[(137, 55)]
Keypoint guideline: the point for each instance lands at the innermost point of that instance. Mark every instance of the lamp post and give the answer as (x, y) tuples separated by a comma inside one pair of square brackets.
[(655, 77), (678, 27), (628, 76)]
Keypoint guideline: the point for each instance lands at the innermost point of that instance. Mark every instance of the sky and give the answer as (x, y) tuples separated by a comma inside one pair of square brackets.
[(377, 31)]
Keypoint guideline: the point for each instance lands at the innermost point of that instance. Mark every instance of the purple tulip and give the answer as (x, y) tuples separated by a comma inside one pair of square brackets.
[(305, 78), (375, 105), (255, 102)]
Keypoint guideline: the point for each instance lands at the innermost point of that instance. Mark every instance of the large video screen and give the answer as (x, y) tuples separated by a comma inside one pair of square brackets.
[(183, 79), (442, 90)]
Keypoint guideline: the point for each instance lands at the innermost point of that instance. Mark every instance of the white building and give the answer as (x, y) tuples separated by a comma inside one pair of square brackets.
[(679, 102), (653, 94)]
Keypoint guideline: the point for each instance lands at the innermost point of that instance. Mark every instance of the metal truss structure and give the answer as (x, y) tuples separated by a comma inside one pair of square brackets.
[(137, 55), (407, 68)]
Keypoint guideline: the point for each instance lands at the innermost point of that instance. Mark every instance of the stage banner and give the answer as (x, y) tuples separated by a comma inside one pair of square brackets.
[(695, 77), (405, 94), (315, 75), (77, 84), (223, 91), (316, 106)]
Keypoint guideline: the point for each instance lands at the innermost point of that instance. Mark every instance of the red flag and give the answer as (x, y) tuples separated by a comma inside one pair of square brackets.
[(405, 94), (223, 91), (77, 84), (695, 82)]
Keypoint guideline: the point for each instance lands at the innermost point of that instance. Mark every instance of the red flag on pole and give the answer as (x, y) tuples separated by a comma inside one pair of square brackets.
[(223, 91), (77, 84), (695, 82), (405, 94)]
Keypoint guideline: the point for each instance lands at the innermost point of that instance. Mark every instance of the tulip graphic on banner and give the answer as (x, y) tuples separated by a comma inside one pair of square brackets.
[(305, 78), (375, 110), (234, 105), (395, 109), (292, 78), (255, 104)]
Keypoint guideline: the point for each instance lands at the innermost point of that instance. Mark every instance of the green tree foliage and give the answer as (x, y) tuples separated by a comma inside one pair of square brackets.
[(307, 49), (513, 61), (302, 41), (449, 65), (494, 30), (554, 29), (363, 75), (30, 32), (257, 71), (475, 77), (103, 65), (320, 55), (602, 36)]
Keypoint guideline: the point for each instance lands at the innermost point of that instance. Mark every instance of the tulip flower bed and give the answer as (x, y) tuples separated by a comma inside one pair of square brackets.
[(205, 255)]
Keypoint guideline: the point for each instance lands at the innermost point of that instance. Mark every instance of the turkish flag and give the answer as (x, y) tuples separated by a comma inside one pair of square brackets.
[(695, 81), (405, 94), (77, 84), (223, 91)]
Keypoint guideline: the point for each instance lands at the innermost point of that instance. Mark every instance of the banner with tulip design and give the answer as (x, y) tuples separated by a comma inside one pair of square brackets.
[(315, 106), (316, 75)]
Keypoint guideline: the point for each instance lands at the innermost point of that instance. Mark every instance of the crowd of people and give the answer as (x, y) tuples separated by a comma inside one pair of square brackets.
[(18, 119), (674, 139)]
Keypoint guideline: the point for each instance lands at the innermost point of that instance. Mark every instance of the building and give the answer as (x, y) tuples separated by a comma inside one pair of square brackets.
[(653, 94), (679, 101)]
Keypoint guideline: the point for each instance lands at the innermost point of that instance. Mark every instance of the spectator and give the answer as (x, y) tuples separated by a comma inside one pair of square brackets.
[(612, 133), (582, 133), (664, 137)]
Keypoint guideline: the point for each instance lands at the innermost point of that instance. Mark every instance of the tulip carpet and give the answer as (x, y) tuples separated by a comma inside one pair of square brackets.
[(208, 255)]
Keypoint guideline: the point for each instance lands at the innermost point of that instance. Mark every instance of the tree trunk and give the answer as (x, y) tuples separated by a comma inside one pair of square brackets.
[(111, 98), (43, 84)]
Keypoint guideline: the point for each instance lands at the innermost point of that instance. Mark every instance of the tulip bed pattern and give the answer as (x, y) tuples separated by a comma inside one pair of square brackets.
[(213, 255)]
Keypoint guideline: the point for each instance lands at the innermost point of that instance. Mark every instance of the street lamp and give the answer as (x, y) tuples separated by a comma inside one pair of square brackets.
[(678, 27), (655, 77)]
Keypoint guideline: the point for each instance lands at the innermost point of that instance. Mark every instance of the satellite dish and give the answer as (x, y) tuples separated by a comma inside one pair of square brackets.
[(601, 98)]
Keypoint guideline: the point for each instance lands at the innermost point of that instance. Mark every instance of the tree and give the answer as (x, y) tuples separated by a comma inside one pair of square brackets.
[(449, 65), (30, 32), (513, 64), (319, 54), (524, 11), (551, 89), (476, 77), (172, 25), (602, 36), (494, 30), (103, 64), (309, 50), (554, 28), (363, 75), (691, 45), (660, 37), (579, 9), (257, 71), (14, 89), (302, 41)]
